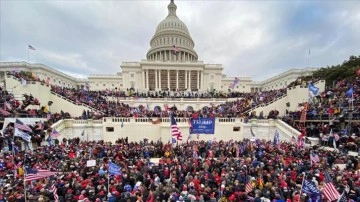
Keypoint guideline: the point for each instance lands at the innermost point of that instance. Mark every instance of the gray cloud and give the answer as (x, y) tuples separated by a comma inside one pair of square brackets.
[(250, 38)]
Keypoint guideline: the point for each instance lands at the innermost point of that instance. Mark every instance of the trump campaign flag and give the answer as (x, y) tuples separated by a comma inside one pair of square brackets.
[(311, 190), (114, 169)]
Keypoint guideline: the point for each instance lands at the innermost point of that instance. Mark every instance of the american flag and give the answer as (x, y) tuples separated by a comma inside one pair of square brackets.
[(54, 191), (231, 85), (34, 174), (249, 186), (4, 112), (54, 133), (31, 47), (336, 136), (343, 198), (175, 50), (175, 132), (314, 158), (300, 142), (20, 125), (330, 192)]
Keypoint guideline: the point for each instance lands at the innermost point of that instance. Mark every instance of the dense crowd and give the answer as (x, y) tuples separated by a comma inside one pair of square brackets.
[(9, 106), (104, 100), (101, 102), (192, 171), (329, 114)]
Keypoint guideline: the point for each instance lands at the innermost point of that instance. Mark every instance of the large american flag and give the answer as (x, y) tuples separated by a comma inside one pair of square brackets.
[(330, 192), (20, 125), (175, 132), (34, 174)]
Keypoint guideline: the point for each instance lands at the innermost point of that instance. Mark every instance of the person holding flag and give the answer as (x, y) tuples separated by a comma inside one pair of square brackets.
[(276, 138)]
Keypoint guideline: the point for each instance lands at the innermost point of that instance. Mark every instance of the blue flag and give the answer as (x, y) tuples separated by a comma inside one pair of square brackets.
[(276, 138), (313, 90), (350, 92), (114, 169), (311, 190)]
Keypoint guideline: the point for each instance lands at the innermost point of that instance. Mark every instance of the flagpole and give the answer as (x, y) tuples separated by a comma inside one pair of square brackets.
[(352, 100), (302, 184), (171, 130), (24, 183), (108, 187), (309, 58)]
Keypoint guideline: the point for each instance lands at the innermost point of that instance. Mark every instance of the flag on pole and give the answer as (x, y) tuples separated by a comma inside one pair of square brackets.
[(310, 188), (20, 125), (175, 50), (249, 186), (175, 132), (31, 48), (342, 198), (350, 92), (23, 135), (54, 191), (34, 174), (330, 192), (313, 91), (314, 158), (276, 138), (114, 169)]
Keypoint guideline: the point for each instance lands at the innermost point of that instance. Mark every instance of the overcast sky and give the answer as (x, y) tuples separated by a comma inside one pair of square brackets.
[(249, 38)]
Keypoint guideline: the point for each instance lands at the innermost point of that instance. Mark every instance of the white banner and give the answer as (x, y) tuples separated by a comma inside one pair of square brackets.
[(90, 163)]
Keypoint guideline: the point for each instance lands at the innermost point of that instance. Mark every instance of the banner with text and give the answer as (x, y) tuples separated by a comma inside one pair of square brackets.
[(202, 126)]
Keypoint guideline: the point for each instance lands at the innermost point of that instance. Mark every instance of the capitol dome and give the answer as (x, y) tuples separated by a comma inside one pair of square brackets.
[(172, 40)]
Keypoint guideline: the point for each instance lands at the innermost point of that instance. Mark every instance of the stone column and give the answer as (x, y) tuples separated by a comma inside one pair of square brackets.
[(202, 80), (168, 80), (189, 80), (143, 79), (186, 73), (147, 79), (160, 79), (198, 81), (156, 79), (177, 79)]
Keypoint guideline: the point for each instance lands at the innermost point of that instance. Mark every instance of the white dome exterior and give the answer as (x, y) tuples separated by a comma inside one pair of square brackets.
[(169, 33)]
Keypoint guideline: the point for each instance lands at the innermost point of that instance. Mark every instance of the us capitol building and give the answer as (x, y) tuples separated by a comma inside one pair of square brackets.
[(171, 64)]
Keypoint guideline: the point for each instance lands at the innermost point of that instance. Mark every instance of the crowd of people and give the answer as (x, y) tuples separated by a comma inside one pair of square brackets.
[(109, 107), (191, 171), (100, 100), (329, 116)]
